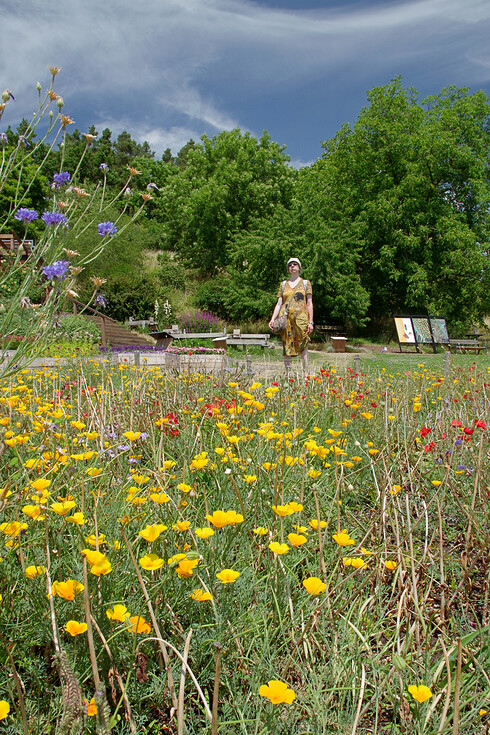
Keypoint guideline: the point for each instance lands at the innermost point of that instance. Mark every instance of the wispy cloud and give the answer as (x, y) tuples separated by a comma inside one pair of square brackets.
[(205, 65)]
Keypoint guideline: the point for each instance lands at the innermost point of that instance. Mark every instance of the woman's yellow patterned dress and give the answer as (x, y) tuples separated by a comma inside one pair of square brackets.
[(295, 339)]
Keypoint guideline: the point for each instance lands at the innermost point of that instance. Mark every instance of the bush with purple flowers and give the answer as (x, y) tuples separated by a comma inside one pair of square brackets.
[(199, 321)]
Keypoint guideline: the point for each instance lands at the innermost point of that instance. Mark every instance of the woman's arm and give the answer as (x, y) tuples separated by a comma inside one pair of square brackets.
[(275, 314), (309, 306)]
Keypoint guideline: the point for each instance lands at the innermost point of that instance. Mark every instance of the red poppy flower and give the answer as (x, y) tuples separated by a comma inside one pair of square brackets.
[(425, 430), (455, 422)]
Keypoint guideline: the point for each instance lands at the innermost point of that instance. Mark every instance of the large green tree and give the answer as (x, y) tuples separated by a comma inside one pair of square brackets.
[(407, 190), (224, 184)]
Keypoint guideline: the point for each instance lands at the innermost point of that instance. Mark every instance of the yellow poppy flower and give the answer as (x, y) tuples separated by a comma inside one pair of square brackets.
[(227, 576), (420, 693), (74, 628), (151, 562), (278, 548), (343, 538), (277, 692), (314, 585), (200, 596)]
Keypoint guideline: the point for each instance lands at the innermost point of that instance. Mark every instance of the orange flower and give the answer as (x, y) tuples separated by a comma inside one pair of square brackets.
[(228, 576), (139, 624)]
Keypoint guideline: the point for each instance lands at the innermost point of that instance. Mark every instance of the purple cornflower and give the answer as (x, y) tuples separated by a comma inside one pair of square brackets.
[(61, 179), (101, 300), (107, 228), (26, 215), (54, 218), (104, 167), (58, 269)]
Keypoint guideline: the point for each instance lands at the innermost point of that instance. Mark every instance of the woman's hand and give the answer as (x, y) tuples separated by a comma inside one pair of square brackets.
[(271, 324), (310, 327)]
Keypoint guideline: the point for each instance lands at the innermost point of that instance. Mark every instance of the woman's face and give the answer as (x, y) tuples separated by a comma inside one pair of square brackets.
[(293, 269)]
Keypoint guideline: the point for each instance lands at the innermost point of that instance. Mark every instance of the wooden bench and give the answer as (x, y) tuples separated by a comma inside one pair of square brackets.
[(329, 330), (140, 322), (237, 339), (466, 345), (165, 336)]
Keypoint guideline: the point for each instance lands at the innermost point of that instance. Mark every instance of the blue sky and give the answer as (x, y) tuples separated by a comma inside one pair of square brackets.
[(169, 70)]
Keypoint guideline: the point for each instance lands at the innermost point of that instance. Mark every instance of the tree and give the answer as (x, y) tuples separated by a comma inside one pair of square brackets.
[(407, 191), (226, 182)]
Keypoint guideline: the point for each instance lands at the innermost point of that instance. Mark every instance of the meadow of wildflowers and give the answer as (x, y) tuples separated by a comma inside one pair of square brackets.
[(182, 554)]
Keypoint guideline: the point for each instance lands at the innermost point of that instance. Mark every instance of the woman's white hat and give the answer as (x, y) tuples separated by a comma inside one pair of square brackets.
[(294, 260)]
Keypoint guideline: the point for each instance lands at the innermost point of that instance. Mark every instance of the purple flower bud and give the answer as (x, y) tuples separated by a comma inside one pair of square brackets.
[(104, 167), (54, 218), (22, 140), (106, 228), (3, 138), (26, 215), (100, 300)]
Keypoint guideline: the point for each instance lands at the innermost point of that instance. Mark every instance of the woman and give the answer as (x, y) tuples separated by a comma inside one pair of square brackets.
[(295, 299)]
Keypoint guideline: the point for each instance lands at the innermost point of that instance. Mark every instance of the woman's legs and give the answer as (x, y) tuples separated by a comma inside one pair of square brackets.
[(305, 360)]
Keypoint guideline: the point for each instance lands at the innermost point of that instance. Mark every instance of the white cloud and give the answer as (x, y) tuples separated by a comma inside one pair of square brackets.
[(203, 65)]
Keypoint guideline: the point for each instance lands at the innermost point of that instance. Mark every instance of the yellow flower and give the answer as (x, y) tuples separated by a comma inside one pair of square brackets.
[(200, 596), (74, 628), (182, 526), (184, 488), (139, 624), (314, 585), (40, 484), (14, 528), (62, 509), (228, 576), (140, 479), (261, 531), (4, 709), (91, 707), (151, 562), (151, 533), (250, 479), (200, 461), (67, 590), (367, 415), (420, 693), (314, 474), (391, 565), (33, 572), (277, 692), (34, 512), (132, 436), (93, 540), (93, 471), (297, 539), (278, 548), (314, 524), (283, 510), (204, 532), (77, 518), (159, 497), (169, 463), (343, 538), (119, 613), (186, 566), (436, 483), (354, 561), (104, 566), (219, 519)]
